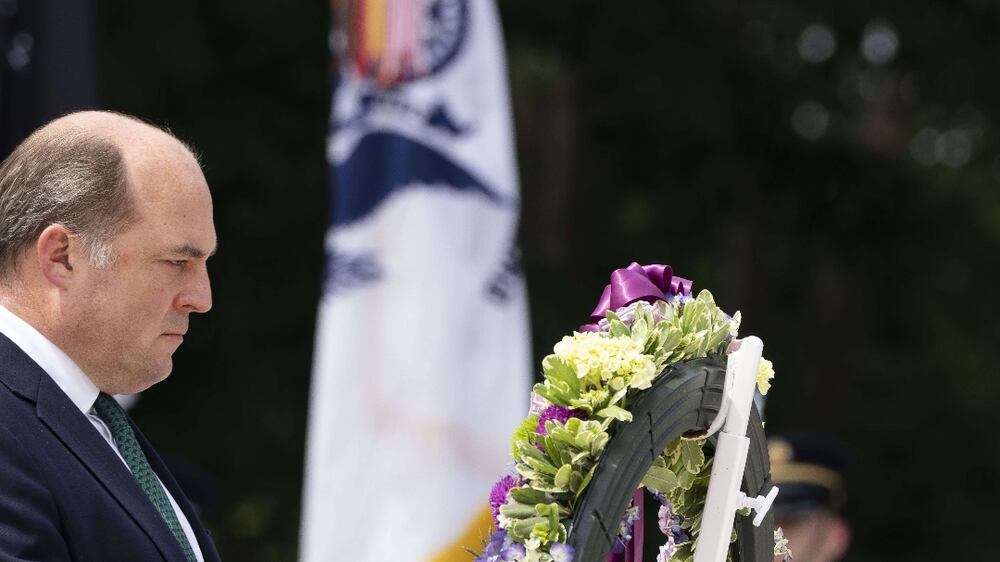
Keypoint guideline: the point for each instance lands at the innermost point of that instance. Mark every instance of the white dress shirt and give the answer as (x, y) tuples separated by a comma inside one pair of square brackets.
[(78, 387)]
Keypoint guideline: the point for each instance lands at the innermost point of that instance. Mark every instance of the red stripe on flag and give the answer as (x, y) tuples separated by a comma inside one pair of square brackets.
[(360, 52)]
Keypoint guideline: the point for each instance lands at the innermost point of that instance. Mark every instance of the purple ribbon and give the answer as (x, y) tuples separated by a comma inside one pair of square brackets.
[(636, 282), (634, 552)]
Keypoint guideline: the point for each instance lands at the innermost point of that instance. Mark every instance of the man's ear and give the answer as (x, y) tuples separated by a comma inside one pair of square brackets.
[(54, 248)]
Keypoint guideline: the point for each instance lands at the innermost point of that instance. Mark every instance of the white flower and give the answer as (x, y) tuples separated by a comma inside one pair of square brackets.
[(626, 314), (502, 520), (781, 545), (538, 404), (667, 551), (535, 556)]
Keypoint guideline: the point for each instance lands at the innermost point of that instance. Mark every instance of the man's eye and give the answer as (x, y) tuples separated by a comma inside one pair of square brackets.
[(177, 263)]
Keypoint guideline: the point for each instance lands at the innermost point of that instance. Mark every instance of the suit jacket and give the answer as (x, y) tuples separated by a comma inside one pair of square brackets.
[(64, 493)]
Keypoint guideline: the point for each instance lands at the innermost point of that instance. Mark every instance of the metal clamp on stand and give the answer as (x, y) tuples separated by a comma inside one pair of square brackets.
[(760, 504)]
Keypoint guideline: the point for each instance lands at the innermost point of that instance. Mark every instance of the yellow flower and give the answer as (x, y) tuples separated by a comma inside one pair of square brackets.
[(597, 358), (765, 372)]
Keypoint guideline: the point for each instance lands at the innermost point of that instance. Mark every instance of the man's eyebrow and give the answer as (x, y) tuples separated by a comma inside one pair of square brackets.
[(192, 251)]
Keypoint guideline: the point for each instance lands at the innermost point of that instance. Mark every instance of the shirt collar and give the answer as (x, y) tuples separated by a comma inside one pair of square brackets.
[(54, 361)]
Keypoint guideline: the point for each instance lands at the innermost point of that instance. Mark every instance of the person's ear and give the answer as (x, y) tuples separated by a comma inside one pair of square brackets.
[(54, 249)]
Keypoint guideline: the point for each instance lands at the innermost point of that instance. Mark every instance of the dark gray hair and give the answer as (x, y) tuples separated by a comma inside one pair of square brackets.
[(69, 177)]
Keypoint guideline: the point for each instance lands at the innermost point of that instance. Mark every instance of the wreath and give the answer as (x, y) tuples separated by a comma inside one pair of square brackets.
[(648, 329)]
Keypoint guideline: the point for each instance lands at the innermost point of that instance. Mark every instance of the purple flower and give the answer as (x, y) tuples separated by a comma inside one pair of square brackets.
[(625, 529), (561, 552), (670, 524), (558, 413), (501, 548), (618, 546), (498, 495), (496, 543), (666, 518), (513, 551)]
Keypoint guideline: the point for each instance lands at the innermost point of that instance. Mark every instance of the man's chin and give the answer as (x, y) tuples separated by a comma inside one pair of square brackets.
[(163, 370), (151, 376)]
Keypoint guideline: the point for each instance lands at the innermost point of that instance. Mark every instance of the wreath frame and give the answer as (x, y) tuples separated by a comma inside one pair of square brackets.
[(683, 400)]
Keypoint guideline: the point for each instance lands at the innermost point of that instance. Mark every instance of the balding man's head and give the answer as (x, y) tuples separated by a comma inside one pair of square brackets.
[(69, 192), (73, 172)]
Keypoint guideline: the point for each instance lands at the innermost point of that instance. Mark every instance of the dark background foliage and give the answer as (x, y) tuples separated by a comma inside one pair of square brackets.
[(850, 209)]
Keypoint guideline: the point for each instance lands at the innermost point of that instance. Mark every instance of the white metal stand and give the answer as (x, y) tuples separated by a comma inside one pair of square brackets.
[(724, 495)]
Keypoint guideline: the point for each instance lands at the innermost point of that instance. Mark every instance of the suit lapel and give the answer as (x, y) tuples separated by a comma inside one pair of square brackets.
[(70, 426), (75, 431), (205, 542)]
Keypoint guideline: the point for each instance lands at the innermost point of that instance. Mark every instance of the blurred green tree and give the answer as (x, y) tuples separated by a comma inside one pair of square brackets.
[(828, 168)]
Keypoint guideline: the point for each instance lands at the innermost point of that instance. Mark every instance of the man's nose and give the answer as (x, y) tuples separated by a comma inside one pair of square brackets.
[(197, 295)]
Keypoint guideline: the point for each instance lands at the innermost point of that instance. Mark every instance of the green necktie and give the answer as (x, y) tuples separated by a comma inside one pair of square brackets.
[(114, 417)]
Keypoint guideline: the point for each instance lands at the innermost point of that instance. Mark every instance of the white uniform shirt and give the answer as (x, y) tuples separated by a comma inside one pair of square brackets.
[(80, 389)]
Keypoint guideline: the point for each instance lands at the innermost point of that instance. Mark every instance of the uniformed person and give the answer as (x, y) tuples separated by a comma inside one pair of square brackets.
[(810, 475)]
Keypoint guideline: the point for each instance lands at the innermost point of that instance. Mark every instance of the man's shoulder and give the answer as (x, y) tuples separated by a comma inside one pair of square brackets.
[(19, 374), (26, 496), (18, 420), (11, 430), (18, 426)]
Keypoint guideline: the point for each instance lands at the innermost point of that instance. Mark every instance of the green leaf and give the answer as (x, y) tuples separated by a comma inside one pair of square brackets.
[(556, 451), (639, 329), (517, 510), (617, 384), (673, 451), (671, 337), (618, 329), (660, 478), (562, 476), (548, 392), (522, 435), (528, 450), (529, 474), (592, 400), (617, 396), (546, 509), (615, 412), (664, 310), (598, 444), (541, 466), (692, 455), (575, 479), (686, 479), (734, 324), (556, 369), (527, 495), (586, 480), (547, 486), (522, 529), (718, 336)]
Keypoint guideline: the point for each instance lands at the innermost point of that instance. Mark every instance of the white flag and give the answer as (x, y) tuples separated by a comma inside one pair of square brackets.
[(422, 352)]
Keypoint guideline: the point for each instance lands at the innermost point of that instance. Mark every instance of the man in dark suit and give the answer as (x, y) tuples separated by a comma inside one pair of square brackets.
[(105, 229)]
